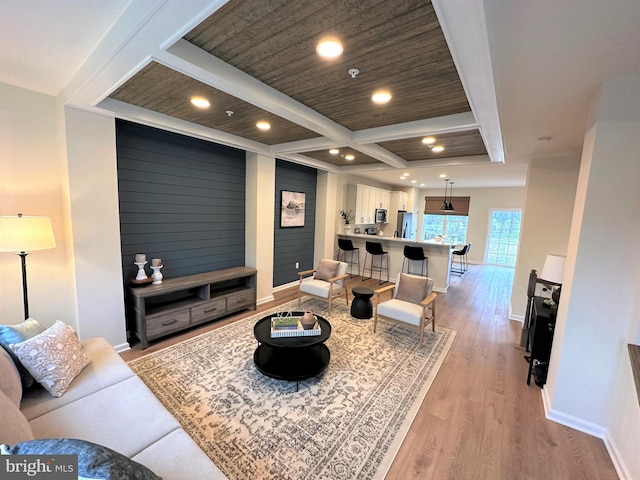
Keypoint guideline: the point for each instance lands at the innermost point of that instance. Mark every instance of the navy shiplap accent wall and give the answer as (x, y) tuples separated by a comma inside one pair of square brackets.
[(294, 244), (181, 199)]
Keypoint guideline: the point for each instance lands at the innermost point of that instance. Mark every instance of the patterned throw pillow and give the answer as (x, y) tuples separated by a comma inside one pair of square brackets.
[(94, 461), (19, 333), (54, 357), (413, 289), (326, 269)]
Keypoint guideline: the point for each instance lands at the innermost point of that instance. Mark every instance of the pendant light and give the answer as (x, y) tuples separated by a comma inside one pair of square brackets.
[(447, 206), (443, 208), (450, 205)]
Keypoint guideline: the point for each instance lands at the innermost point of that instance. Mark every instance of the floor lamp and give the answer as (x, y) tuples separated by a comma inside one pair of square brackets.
[(22, 235)]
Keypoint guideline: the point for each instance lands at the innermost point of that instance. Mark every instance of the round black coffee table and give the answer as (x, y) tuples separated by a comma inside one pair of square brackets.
[(361, 307), (291, 358)]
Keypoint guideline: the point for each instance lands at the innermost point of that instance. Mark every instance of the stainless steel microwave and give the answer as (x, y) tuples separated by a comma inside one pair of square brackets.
[(381, 215)]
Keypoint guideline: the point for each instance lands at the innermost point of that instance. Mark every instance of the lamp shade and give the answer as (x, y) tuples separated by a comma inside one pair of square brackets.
[(25, 234), (553, 269)]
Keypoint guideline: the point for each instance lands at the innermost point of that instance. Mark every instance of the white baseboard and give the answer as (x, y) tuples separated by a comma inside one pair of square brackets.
[(123, 347), (268, 298), (590, 429)]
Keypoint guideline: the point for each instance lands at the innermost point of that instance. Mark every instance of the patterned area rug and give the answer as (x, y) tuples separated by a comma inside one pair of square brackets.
[(347, 423)]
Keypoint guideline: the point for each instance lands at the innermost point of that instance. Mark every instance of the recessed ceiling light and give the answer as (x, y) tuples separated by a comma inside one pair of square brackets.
[(381, 96), (349, 156), (443, 175), (334, 151), (262, 125), (429, 140), (200, 102), (402, 177), (437, 148), (406, 174), (414, 181), (422, 184), (329, 47)]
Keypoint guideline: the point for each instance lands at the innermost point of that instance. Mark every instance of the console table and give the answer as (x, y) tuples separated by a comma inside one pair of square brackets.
[(180, 303), (543, 323)]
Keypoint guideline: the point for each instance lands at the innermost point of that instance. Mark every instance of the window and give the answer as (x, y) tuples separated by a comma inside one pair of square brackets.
[(453, 226), (504, 237)]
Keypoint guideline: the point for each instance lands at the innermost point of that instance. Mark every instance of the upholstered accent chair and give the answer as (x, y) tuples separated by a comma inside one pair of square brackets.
[(412, 299), (327, 283)]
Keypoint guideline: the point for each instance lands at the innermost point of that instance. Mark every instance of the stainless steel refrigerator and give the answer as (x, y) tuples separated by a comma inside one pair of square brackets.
[(405, 225)]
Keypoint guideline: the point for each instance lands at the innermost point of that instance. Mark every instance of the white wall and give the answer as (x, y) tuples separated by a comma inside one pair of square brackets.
[(33, 181), (95, 221), (546, 220), (259, 221), (326, 211), (589, 385)]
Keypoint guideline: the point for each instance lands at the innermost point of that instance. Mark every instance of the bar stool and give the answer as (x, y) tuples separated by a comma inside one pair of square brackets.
[(415, 254), (462, 260), (375, 249), (344, 246)]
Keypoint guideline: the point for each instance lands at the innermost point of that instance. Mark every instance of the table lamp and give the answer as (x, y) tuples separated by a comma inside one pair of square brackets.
[(22, 235), (552, 273)]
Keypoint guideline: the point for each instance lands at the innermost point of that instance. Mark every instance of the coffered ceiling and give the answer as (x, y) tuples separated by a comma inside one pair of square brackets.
[(394, 46), (485, 77)]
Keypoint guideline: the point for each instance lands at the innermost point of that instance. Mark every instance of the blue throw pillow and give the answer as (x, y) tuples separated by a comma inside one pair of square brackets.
[(19, 333), (94, 461)]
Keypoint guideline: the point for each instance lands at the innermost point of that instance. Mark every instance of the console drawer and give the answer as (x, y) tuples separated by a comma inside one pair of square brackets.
[(242, 299), (162, 324), (208, 310)]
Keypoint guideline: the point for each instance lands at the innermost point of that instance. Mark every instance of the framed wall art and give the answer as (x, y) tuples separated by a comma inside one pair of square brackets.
[(291, 209)]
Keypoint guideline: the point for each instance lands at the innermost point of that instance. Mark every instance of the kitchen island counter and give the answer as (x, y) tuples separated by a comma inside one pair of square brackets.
[(439, 254)]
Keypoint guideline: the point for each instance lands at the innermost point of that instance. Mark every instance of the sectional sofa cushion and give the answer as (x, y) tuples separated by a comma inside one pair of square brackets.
[(10, 383), (107, 368), (125, 417), (178, 456), (54, 357), (19, 333), (94, 461), (13, 424)]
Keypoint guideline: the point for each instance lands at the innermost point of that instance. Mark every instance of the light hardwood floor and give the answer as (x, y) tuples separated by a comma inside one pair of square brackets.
[(479, 420)]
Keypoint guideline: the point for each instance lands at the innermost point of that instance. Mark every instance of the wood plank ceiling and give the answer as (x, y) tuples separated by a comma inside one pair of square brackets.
[(396, 45)]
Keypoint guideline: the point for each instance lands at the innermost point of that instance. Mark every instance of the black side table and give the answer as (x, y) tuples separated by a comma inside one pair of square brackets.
[(361, 307)]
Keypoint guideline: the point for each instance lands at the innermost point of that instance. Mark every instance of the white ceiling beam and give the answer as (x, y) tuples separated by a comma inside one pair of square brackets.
[(432, 126), (312, 144), (191, 60), (464, 25), (142, 29), (137, 114)]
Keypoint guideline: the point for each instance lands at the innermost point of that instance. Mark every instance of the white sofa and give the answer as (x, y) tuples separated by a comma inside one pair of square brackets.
[(105, 404)]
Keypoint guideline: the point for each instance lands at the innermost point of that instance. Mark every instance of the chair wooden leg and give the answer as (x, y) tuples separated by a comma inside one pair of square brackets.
[(375, 320), (433, 316), (330, 298), (422, 330)]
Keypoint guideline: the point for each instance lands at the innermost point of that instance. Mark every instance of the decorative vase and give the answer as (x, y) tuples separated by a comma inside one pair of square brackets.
[(308, 320), (347, 228)]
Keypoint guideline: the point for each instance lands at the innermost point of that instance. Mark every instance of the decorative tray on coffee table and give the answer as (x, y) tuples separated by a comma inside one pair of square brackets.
[(290, 326)]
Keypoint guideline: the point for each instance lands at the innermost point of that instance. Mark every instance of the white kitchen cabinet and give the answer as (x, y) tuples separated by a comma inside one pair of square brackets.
[(399, 200), (363, 200)]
